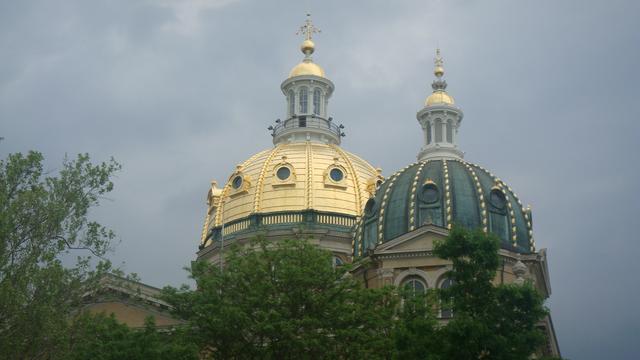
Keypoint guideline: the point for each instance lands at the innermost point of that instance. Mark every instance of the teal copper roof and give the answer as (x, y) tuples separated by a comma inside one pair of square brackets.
[(444, 193)]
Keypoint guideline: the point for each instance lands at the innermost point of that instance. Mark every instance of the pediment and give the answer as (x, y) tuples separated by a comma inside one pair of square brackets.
[(419, 240)]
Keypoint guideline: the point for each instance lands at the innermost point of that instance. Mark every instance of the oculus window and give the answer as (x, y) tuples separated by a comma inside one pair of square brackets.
[(283, 173), (236, 182), (336, 174)]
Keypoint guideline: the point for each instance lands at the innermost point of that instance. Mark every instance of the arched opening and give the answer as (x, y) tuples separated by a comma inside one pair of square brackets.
[(317, 94), (292, 103), (498, 214), (429, 133), (438, 131), (415, 285), (303, 96), (449, 131), (445, 309)]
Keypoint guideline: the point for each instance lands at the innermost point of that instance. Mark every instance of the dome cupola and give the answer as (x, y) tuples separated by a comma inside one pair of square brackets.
[(440, 119), (306, 185), (307, 92), (442, 189)]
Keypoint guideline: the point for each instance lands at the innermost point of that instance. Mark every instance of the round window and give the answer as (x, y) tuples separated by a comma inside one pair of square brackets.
[(283, 173), (497, 199), (336, 174), (236, 182), (429, 193)]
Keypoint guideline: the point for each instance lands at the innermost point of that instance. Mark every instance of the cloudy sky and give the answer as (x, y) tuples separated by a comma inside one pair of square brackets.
[(180, 91)]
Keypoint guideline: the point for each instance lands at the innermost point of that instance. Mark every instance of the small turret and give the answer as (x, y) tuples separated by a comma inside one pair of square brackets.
[(440, 119), (307, 91)]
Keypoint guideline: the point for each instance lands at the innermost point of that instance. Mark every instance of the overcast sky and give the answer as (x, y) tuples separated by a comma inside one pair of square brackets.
[(180, 91)]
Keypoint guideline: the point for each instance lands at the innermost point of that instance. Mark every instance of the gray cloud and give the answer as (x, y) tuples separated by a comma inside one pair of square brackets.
[(181, 91)]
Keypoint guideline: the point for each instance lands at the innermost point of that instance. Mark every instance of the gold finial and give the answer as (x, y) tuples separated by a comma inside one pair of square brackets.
[(438, 70), (308, 29)]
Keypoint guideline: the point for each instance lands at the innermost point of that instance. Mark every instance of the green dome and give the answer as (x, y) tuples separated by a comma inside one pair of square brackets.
[(443, 193)]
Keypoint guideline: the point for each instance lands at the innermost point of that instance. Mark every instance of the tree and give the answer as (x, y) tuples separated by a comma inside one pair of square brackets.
[(102, 337), (284, 300), (43, 217), (490, 321), (416, 329)]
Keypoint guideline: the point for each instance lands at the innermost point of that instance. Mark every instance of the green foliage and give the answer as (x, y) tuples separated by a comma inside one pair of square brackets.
[(416, 328), (285, 301), (43, 217), (101, 337), (490, 321)]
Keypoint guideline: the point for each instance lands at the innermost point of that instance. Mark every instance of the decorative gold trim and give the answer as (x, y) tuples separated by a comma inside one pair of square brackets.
[(309, 187), (351, 169), (414, 188), (291, 180), (383, 205), (500, 186), (372, 183), (257, 201), (227, 186), (480, 192), (447, 194)]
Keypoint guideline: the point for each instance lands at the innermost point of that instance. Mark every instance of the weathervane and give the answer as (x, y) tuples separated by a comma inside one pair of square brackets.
[(308, 29)]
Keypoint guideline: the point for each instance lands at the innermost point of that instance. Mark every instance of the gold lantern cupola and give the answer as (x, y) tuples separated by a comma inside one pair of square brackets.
[(439, 95), (440, 120), (307, 66)]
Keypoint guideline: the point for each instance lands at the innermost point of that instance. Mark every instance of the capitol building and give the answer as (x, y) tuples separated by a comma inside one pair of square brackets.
[(307, 186)]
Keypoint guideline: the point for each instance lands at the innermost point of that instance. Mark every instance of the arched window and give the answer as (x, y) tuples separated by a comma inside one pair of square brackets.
[(438, 130), (449, 131), (415, 285), (303, 100), (337, 261), (429, 132), (445, 311), (316, 101), (292, 103), (498, 214)]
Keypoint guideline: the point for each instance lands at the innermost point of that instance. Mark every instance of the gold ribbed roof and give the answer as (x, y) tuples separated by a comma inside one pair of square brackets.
[(308, 187)]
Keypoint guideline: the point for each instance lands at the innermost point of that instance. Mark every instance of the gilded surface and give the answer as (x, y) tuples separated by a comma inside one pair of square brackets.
[(439, 97), (306, 189), (306, 68)]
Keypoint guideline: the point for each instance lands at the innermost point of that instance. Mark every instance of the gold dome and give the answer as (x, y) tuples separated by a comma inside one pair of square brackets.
[(309, 184), (306, 67), (439, 97)]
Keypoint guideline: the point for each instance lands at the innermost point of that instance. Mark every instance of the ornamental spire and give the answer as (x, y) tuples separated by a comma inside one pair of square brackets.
[(438, 71), (307, 30)]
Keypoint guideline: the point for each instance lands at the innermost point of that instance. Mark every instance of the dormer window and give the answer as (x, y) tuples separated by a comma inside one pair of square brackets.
[(316, 101), (304, 106)]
